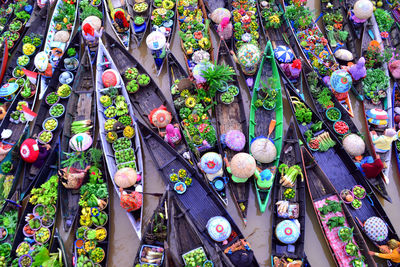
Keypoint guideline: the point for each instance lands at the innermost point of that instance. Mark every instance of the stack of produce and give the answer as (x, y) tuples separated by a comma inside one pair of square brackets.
[(245, 19), (39, 225), (8, 222), (136, 80), (92, 235)]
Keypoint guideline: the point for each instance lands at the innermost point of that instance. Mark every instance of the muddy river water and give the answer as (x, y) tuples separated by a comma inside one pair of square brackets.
[(124, 242)]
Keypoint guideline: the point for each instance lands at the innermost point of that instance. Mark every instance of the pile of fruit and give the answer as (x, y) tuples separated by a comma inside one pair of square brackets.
[(359, 191), (245, 19), (135, 80), (195, 257)]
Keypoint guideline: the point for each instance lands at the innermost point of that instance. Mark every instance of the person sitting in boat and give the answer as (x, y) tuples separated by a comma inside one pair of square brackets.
[(32, 152), (292, 70), (242, 167), (391, 252), (370, 167), (225, 29), (240, 253), (172, 135), (121, 20), (383, 143), (91, 35)]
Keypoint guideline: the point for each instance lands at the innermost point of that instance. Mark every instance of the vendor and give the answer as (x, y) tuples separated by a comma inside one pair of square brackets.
[(393, 252), (370, 167), (32, 152), (383, 143), (44, 151)]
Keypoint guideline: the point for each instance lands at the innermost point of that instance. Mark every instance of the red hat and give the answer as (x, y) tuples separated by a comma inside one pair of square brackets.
[(87, 28), (29, 150)]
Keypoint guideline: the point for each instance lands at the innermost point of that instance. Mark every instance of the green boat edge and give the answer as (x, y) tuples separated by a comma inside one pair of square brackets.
[(278, 117)]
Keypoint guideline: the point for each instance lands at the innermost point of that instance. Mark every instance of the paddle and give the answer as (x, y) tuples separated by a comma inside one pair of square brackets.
[(271, 128), (146, 193)]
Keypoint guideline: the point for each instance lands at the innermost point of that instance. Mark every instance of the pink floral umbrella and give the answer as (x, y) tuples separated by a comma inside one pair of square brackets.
[(235, 140)]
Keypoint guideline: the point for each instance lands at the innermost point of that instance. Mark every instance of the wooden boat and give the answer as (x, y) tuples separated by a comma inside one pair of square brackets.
[(357, 30), (58, 247), (232, 117), (396, 103), (93, 50), (170, 22), (290, 156), (7, 15), (4, 60), (79, 235), (371, 33), (51, 46), (123, 37), (179, 82), (104, 62), (329, 62), (31, 172), (168, 162), (38, 28), (188, 57), (335, 9), (46, 174), (312, 81), (148, 98), (139, 31), (338, 166), (211, 6), (320, 189), (81, 108), (261, 118), (281, 36), (156, 232)]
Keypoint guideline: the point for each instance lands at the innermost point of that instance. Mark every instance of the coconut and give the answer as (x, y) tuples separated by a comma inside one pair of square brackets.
[(94, 21), (61, 36), (263, 150), (354, 145), (344, 54)]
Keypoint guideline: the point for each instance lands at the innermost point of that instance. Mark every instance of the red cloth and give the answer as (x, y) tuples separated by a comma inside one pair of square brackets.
[(372, 170)]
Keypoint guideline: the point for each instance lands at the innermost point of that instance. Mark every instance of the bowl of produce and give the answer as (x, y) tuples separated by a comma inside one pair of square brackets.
[(125, 155), (101, 234), (18, 72), (345, 234), (356, 204), (351, 249), (50, 124), (66, 77), (358, 262), (347, 196), (42, 235), (15, 25), (57, 110), (5, 250), (71, 63), (3, 233), (341, 127), (39, 210), (233, 90), (359, 192), (80, 233), (143, 79), (333, 114), (140, 7), (47, 220), (64, 91), (34, 223), (100, 219), (23, 60), (131, 73), (227, 98), (106, 101), (122, 144), (37, 41), (132, 86), (52, 99), (314, 144), (208, 263), (89, 245), (139, 20), (180, 187), (28, 49), (25, 261), (195, 257), (148, 252), (23, 248), (110, 112), (45, 137), (97, 255), (28, 231)]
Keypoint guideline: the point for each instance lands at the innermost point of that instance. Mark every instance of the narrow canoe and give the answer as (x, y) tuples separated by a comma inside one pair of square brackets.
[(260, 118), (139, 31), (357, 30), (123, 37), (105, 62)]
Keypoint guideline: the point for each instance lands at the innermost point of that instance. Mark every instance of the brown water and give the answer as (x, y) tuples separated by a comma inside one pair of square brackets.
[(124, 242)]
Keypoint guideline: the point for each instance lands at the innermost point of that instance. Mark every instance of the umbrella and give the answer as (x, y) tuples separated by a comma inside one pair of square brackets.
[(376, 229), (211, 162), (111, 78), (8, 89), (156, 40), (219, 228), (81, 142), (160, 117), (198, 71), (354, 145), (249, 55), (341, 81), (378, 114), (218, 14), (284, 54), (235, 140), (263, 150), (287, 232), (243, 165), (363, 9)]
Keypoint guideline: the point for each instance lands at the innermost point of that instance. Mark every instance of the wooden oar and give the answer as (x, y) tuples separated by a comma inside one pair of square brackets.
[(271, 128)]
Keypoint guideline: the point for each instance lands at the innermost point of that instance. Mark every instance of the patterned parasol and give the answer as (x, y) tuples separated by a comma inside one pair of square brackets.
[(235, 140), (284, 54), (219, 228), (341, 81), (376, 229), (211, 162), (249, 55)]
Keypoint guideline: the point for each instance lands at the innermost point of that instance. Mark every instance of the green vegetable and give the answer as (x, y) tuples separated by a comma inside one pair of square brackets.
[(336, 221), (289, 175), (303, 114), (316, 127), (46, 194), (383, 19), (331, 206)]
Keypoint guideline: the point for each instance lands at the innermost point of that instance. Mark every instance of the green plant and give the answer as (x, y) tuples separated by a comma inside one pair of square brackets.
[(216, 76), (384, 19), (71, 52), (46, 194), (88, 10)]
